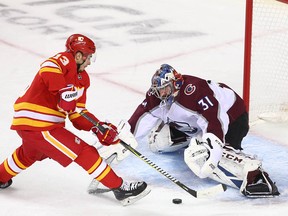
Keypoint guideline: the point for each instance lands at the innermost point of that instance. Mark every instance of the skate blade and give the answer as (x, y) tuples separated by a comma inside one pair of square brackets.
[(131, 200)]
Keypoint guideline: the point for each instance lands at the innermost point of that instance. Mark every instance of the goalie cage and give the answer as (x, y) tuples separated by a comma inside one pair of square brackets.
[(265, 88)]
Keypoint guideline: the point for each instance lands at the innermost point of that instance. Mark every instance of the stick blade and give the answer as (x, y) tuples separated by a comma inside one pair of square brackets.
[(211, 191)]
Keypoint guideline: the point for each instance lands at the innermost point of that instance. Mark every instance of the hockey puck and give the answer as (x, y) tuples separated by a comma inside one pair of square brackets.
[(177, 201)]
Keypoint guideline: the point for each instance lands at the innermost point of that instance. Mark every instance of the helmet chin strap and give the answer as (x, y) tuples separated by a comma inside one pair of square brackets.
[(78, 67)]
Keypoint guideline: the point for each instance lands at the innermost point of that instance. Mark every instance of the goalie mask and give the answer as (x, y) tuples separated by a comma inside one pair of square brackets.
[(166, 83)]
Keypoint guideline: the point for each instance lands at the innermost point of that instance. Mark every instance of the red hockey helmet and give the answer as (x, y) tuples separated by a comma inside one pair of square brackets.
[(80, 43)]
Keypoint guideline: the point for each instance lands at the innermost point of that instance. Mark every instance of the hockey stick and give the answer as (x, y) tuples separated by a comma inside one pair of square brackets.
[(203, 193), (93, 186)]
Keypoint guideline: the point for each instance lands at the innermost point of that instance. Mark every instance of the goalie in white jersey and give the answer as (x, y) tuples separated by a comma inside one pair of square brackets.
[(208, 119)]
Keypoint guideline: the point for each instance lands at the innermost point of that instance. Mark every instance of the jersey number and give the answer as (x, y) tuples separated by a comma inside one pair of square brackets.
[(205, 103), (64, 60)]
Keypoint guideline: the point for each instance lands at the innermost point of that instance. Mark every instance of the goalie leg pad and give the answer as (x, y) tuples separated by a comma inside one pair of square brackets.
[(243, 171), (195, 156), (234, 166), (235, 169), (203, 154)]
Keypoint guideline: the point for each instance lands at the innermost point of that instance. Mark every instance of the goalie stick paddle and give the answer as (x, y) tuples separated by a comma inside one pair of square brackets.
[(203, 193)]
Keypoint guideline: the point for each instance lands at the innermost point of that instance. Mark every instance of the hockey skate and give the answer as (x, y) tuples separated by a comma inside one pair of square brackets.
[(260, 185), (6, 184), (129, 193)]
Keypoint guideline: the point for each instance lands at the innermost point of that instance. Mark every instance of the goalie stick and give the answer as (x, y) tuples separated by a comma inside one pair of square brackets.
[(203, 193)]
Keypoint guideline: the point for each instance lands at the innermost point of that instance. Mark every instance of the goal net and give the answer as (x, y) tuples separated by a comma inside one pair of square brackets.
[(265, 89)]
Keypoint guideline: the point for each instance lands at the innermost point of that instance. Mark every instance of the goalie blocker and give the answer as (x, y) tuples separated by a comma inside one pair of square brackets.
[(120, 151), (208, 157)]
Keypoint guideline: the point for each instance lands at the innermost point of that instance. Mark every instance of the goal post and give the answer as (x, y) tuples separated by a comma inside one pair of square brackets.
[(265, 80)]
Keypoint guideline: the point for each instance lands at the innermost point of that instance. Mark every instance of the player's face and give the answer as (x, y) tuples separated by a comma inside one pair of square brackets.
[(85, 61), (165, 91)]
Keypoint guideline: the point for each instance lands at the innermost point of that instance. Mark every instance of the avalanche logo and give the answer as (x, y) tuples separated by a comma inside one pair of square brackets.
[(190, 89)]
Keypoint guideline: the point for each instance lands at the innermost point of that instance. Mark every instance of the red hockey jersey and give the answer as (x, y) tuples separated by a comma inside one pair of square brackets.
[(37, 108)]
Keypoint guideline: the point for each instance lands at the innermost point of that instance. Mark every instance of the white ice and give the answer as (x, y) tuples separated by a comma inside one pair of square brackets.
[(202, 38)]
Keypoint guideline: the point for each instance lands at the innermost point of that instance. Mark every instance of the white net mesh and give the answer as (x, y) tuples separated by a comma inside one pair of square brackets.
[(269, 61)]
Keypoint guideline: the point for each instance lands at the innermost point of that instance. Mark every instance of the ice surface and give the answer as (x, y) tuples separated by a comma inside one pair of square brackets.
[(203, 38)]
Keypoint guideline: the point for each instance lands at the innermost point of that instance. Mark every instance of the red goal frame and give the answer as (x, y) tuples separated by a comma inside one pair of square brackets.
[(247, 50)]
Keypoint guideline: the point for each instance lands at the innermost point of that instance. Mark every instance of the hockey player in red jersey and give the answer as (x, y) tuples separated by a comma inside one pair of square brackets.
[(58, 89), (209, 120)]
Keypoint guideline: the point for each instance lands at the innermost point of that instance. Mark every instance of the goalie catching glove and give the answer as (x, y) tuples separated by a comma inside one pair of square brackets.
[(109, 136), (166, 138), (203, 155)]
